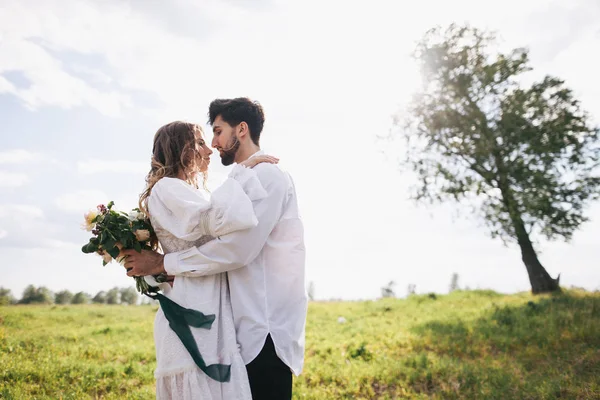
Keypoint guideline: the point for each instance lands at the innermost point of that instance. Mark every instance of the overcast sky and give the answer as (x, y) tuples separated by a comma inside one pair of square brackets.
[(85, 84)]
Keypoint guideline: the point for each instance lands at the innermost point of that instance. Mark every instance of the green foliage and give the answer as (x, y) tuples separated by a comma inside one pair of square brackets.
[(92, 246), (81, 298), (63, 297), (526, 155), (33, 295), (129, 296), (6, 297), (115, 230), (113, 296), (99, 298), (465, 345)]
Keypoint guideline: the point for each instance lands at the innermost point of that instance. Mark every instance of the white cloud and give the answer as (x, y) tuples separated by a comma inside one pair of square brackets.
[(80, 201), (60, 244), (38, 35), (50, 84), (94, 166), (26, 226), (6, 86), (28, 212), (13, 179), (24, 28), (18, 156), (94, 75)]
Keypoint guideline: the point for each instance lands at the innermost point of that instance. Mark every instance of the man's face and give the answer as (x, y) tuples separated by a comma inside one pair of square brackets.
[(225, 141)]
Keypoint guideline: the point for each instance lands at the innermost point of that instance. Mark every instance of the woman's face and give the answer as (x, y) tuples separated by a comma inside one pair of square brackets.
[(203, 153)]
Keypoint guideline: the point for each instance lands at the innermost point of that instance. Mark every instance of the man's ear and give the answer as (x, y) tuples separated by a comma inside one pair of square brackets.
[(244, 130)]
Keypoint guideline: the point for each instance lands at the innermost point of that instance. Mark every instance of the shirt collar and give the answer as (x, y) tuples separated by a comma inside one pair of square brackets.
[(258, 153)]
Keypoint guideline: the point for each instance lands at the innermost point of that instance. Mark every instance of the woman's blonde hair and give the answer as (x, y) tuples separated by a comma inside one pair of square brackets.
[(174, 151)]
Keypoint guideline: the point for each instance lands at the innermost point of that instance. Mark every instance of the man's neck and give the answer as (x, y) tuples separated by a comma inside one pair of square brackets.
[(244, 153)]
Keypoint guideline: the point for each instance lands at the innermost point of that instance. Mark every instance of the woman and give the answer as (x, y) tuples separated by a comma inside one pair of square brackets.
[(182, 219)]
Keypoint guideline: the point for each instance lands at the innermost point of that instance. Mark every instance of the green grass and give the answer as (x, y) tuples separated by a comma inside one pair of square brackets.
[(466, 345)]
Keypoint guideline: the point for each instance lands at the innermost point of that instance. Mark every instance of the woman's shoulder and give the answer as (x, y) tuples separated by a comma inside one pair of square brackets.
[(167, 182), (168, 187)]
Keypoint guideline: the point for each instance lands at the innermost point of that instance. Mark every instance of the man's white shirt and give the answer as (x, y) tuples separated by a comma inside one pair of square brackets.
[(265, 266)]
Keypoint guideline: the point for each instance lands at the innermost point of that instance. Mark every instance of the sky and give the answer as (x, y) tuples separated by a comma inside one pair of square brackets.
[(84, 85)]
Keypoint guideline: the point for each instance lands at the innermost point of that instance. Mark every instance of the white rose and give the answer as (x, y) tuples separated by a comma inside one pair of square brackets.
[(136, 215), (89, 217), (142, 235)]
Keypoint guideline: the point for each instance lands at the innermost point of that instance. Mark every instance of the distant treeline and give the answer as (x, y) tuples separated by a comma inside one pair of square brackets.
[(43, 295)]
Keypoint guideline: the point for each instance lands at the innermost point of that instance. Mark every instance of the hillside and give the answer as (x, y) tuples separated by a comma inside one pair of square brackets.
[(468, 345)]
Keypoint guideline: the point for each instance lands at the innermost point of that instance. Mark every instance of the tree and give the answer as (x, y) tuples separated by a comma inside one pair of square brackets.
[(29, 295), (526, 156), (63, 297), (81, 298), (388, 290), (311, 291), (33, 295), (454, 282), (129, 296), (112, 296), (45, 295), (99, 298), (146, 301), (6, 297), (411, 289)]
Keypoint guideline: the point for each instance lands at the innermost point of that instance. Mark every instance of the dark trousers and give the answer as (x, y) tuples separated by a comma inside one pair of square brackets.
[(270, 378)]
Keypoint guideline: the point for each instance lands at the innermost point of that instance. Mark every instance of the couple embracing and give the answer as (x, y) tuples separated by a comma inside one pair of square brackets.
[(238, 256)]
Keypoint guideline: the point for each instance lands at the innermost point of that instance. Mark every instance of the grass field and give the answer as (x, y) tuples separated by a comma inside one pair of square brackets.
[(467, 345)]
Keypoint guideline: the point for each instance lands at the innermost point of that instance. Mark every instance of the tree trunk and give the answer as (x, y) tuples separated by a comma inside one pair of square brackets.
[(541, 281)]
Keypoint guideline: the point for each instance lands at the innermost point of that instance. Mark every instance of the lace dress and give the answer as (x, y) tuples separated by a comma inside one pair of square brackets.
[(183, 219)]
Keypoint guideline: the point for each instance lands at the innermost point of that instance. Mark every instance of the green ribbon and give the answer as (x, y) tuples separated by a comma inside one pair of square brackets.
[(180, 319)]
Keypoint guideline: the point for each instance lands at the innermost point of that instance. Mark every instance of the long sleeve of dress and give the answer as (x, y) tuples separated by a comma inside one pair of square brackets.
[(240, 248), (183, 211)]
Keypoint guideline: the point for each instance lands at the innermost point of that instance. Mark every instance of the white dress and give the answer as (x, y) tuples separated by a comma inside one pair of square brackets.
[(183, 218)]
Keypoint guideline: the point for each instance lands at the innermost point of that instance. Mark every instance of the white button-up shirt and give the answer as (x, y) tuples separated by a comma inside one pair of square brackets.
[(265, 266)]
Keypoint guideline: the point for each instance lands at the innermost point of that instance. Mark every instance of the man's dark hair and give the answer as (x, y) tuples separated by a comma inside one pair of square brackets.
[(235, 111)]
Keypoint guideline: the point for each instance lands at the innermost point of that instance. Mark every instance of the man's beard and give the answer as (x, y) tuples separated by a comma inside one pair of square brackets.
[(228, 154)]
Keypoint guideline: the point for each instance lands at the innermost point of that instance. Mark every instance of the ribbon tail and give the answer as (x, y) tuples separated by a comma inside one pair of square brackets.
[(179, 320), (197, 319)]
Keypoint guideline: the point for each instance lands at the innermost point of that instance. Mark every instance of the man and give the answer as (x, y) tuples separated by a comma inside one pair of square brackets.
[(265, 264)]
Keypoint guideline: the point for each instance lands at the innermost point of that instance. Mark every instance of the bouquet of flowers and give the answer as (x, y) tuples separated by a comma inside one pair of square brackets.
[(116, 230)]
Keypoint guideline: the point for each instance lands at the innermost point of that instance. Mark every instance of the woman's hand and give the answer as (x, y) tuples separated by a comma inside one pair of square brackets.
[(254, 161)]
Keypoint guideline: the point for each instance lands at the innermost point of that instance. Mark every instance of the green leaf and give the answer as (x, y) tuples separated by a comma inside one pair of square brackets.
[(137, 246), (90, 247), (110, 243), (124, 238), (113, 251)]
